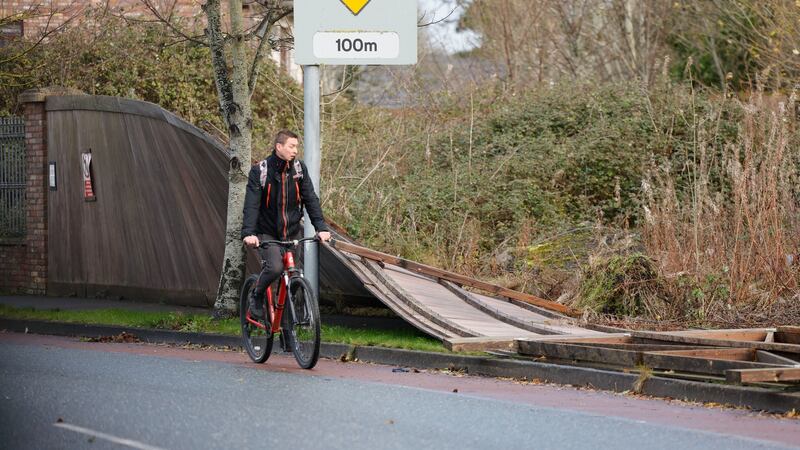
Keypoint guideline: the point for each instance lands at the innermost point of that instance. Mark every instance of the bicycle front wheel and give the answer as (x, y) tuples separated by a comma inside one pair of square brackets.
[(304, 333), (257, 340)]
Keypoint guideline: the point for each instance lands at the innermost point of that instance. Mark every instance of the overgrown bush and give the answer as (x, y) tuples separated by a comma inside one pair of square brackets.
[(622, 285), (478, 180), (544, 159)]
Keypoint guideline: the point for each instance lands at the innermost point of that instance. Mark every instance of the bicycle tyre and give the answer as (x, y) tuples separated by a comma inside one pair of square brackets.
[(256, 341), (304, 334)]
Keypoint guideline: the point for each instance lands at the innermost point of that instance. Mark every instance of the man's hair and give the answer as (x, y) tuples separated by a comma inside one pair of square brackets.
[(282, 137)]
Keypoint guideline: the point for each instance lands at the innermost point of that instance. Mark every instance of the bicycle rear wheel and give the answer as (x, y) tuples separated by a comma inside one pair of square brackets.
[(257, 341), (304, 334)]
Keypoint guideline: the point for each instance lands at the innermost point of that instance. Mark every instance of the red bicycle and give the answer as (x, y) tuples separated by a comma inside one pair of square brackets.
[(295, 296)]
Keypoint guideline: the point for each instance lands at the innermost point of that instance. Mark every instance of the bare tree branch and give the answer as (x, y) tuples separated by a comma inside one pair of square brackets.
[(275, 12), (168, 21), (434, 22)]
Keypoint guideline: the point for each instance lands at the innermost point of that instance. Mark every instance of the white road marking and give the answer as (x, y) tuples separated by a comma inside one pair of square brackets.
[(107, 437)]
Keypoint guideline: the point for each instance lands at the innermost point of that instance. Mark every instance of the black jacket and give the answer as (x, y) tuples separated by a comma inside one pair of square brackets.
[(276, 209)]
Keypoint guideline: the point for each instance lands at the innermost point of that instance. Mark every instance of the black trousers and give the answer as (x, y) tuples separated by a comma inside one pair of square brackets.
[(272, 262)]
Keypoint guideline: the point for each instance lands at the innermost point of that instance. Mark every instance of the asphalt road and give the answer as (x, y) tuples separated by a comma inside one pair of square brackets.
[(57, 393)]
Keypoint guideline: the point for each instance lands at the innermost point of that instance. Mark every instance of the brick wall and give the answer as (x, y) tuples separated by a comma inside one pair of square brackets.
[(35, 265), (13, 278), (23, 264)]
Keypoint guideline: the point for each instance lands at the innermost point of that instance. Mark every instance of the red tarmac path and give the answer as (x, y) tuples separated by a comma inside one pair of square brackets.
[(655, 411)]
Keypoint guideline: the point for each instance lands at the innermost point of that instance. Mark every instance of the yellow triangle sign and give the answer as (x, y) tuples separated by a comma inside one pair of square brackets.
[(355, 6)]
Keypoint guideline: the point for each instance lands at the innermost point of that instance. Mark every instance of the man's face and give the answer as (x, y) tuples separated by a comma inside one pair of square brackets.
[(288, 150)]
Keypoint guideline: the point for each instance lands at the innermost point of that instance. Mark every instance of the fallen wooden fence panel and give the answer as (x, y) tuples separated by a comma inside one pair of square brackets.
[(630, 356), (450, 276), (440, 308)]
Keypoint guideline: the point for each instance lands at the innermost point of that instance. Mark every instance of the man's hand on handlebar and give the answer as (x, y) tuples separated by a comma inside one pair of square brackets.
[(251, 241)]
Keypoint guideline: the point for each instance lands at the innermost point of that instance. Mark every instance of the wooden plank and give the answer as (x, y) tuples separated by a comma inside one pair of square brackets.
[(534, 308), (730, 354), (434, 297), (376, 286), (787, 337), (418, 307), (605, 328), (396, 304), (450, 276), (518, 322), (66, 265), (580, 339), (660, 360), (338, 229), (757, 375), (479, 344), (749, 334), (572, 352), (644, 347), (772, 358), (689, 339)]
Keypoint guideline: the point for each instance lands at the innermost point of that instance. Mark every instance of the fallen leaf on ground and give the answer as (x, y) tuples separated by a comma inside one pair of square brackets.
[(123, 337)]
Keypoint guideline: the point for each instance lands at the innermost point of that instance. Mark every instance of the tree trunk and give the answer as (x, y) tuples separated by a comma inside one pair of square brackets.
[(234, 102)]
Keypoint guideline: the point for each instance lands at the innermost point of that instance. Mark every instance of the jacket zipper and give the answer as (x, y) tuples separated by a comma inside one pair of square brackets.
[(285, 200)]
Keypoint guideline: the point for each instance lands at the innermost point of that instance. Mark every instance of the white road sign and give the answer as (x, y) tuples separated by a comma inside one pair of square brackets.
[(376, 32)]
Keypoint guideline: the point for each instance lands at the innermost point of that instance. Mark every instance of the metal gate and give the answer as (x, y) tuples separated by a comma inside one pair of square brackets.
[(12, 177)]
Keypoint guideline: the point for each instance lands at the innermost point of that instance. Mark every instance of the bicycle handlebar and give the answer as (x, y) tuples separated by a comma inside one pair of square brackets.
[(294, 243)]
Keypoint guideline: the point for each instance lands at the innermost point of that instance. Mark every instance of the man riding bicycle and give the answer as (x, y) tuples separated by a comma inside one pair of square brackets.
[(277, 190)]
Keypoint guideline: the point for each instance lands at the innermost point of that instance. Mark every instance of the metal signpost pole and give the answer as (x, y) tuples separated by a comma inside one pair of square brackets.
[(312, 157), (355, 32)]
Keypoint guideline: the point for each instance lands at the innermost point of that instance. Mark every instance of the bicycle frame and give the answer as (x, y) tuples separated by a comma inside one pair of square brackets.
[(289, 271)]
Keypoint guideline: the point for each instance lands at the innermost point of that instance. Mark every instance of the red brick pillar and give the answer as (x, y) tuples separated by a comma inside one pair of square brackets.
[(34, 265)]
